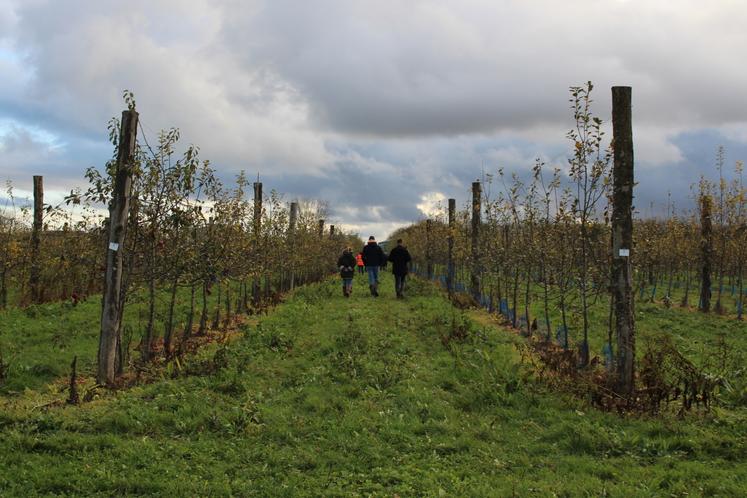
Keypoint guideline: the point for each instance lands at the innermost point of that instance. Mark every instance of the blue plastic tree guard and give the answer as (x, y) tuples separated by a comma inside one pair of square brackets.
[(561, 335), (607, 353), (504, 307)]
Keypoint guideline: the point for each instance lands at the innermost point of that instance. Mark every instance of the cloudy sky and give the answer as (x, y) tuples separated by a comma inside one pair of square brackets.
[(379, 107)]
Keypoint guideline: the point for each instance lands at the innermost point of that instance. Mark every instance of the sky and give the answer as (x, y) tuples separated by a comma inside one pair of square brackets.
[(382, 108)]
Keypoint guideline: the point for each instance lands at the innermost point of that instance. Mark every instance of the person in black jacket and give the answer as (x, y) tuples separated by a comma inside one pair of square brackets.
[(400, 257), (346, 263), (373, 258)]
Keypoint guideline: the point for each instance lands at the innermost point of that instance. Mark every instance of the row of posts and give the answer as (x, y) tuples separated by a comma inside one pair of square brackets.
[(475, 246), (622, 239), (118, 215)]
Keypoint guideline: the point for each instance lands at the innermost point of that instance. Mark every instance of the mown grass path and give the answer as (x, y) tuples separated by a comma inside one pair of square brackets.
[(330, 396)]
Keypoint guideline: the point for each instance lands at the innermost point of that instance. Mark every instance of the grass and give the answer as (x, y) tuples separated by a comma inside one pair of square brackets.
[(363, 397), (698, 335), (40, 341)]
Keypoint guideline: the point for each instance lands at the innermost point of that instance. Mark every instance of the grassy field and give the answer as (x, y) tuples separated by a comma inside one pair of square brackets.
[(39, 342), (363, 397), (698, 335)]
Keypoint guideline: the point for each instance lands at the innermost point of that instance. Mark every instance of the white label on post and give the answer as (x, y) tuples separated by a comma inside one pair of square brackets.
[(624, 253), (113, 246)]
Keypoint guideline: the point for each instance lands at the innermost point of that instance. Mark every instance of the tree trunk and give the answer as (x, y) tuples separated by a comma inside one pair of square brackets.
[(169, 332), (4, 289), (228, 301), (216, 319), (148, 336), (706, 250), (187, 333), (527, 299), (204, 314), (546, 299), (686, 298), (740, 299)]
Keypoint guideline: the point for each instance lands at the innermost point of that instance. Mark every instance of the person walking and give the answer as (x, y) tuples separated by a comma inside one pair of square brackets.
[(346, 263), (400, 257), (359, 262), (373, 258)]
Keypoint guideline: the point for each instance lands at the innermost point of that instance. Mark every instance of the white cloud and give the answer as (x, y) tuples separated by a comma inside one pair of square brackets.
[(431, 203)]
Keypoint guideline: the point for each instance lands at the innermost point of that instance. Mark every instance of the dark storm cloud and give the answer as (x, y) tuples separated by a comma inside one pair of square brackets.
[(420, 68), (373, 106)]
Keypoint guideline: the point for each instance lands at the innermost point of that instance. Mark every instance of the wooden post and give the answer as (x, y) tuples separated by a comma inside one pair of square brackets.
[(257, 239), (119, 210), (35, 271), (428, 249), (293, 221), (622, 237), (706, 250), (475, 271), (292, 229), (257, 209), (321, 229), (331, 231), (450, 268)]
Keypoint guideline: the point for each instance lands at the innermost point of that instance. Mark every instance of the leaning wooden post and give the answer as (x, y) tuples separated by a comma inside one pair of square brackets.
[(706, 250), (293, 221), (119, 210), (450, 268), (475, 270), (428, 248), (35, 271), (622, 237)]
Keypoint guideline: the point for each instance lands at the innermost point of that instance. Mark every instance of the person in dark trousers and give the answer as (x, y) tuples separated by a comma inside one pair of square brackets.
[(359, 261), (346, 263), (373, 258), (400, 258)]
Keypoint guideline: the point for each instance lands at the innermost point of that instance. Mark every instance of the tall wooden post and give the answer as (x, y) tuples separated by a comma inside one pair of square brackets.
[(331, 231), (257, 240), (622, 236), (706, 250), (119, 210), (429, 248), (475, 270), (450, 267), (257, 209), (293, 221), (35, 271), (320, 271)]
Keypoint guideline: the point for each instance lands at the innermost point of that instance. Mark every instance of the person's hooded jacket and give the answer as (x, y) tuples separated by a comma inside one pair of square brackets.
[(373, 255), (399, 256), (346, 263)]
